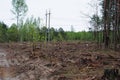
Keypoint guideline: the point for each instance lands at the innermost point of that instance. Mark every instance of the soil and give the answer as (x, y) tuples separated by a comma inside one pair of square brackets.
[(56, 61)]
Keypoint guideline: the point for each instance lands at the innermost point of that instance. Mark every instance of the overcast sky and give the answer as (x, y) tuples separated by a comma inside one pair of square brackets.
[(64, 13)]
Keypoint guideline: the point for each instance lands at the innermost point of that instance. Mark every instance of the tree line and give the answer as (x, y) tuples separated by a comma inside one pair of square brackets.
[(107, 28), (30, 31)]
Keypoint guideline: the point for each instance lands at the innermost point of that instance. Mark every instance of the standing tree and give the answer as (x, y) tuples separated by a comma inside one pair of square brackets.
[(111, 17), (19, 9), (31, 29), (96, 23)]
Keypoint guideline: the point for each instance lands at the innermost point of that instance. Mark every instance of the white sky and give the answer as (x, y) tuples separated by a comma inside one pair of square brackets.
[(64, 12)]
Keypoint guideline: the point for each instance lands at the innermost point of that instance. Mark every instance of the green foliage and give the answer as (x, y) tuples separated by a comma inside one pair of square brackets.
[(13, 33), (43, 33), (95, 22), (3, 30), (61, 34), (19, 9), (53, 33), (30, 30)]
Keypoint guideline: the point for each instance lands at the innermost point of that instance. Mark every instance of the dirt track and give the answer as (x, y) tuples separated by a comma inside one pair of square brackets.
[(59, 61)]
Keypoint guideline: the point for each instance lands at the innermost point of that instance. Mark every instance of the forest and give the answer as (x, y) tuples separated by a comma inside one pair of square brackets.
[(32, 51)]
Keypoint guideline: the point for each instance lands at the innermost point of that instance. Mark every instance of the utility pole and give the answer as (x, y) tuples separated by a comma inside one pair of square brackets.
[(48, 14), (46, 27), (46, 18), (49, 26)]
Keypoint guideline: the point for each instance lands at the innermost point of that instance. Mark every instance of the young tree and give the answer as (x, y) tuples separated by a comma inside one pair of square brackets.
[(19, 9), (31, 30), (96, 23)]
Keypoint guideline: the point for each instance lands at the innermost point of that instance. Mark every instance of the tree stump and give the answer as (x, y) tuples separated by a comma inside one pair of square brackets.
[(111, 74)]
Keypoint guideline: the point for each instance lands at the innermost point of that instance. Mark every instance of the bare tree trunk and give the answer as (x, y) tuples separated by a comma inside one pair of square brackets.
[(105, 33)]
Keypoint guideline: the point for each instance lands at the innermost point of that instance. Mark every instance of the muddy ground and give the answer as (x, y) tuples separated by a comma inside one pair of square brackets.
[(57, 61)]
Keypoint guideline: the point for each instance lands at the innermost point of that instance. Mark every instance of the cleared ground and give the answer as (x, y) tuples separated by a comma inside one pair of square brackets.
[(57, 61)]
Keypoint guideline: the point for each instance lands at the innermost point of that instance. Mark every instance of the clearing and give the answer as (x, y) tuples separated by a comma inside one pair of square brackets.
[(55, 61)]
